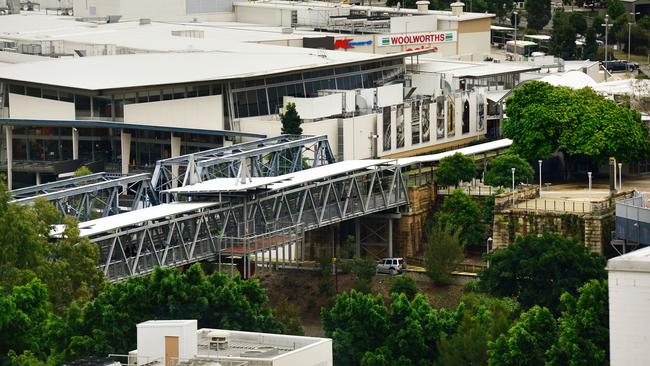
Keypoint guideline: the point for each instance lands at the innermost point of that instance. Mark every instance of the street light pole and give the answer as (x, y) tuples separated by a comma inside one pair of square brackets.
[(620, 176), (489, 240), (606, 25), (513, 185), (629, 33), (589, 174), (514, 57), (540, 176)]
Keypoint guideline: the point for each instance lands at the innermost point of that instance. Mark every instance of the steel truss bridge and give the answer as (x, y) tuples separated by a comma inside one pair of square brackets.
[(93, 195), (267, 157), (255, 199), (258, 218)]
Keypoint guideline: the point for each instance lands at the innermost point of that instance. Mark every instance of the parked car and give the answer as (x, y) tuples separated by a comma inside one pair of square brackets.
[(391, 266)]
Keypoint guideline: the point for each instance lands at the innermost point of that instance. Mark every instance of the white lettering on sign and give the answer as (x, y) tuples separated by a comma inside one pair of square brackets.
[(416, 38)]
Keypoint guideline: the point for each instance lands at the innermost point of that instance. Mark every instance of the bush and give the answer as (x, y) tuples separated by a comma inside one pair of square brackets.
[(363, 270), (404, 285), (442, 254)]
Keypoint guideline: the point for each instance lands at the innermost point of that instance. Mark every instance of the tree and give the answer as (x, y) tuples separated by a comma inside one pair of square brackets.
[(615, 9), (404, 285), (23, 312), (442, 253), (500, 8), (579, 22), (484, 319), (366, 332), (82, 171), (67, 266), (499, 173), (597, 23), (563, 38), (527, 341), (584, 326), (455, 168), (539, 13), (581, 124), (644, 22), (357, 323), (536, 270), (363, 269), (590, 50), (107, 324), (461, 213), (291, 120)]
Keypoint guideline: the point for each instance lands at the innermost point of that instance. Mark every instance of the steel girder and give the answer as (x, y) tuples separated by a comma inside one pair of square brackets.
[(59, 185), (251, 224), (99, 199), (267, 157)]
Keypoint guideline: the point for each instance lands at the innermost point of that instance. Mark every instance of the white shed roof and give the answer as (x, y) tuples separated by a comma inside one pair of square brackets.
[(470, 150), (636, 261)]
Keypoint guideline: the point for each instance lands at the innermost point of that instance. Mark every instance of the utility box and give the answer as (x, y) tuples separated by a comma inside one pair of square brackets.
[(167, 341)]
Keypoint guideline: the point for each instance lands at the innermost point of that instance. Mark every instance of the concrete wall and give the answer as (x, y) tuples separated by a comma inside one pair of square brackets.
[(267, 16), (154, 9), (22, 106), (356, 136), (318, 107), (200, 112), (629, 318), (319, 354), (151, 339), (411, 229)]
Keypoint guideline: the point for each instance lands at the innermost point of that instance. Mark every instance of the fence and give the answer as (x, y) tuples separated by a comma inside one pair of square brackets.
[(479, 190)]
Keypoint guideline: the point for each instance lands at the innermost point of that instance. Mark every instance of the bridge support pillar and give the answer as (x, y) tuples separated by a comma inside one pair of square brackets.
[(125, 145), (176, 152), (75, 144), (390, 238), (9, 134), (357, 237)]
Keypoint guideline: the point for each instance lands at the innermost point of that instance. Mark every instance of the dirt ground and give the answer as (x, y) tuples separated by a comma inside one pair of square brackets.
[(301, 289)]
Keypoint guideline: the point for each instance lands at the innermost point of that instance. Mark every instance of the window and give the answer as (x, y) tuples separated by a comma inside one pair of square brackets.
[(50, 94), (102, 107), (17, 89), (203, 90), (33, 92), (66, 97), (82, 106)]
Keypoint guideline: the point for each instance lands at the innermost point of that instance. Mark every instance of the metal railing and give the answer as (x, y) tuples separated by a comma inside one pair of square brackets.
[(479, 190)]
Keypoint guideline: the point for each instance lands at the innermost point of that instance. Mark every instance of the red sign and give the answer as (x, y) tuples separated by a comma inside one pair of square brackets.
[(343, 43), (434, 48)]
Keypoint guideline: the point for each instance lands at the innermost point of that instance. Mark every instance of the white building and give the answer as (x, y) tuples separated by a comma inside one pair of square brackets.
[(629, 301), (178, 342)]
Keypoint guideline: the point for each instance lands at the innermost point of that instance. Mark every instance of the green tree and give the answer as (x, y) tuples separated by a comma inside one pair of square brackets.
[(499, 173), (584, 326), (82, 171), (527, 341), (536, 270), (581, 124), (363, 270), (404, 285), (357, 323), (291, 120), (539, 13), (484, 319), (442, 253), (463, 214), (455, 168), (597, 23), (23, 313), (579, 22), (500, 8), (615, 9), (644, 22), (590, 50), (107, 324), (563, 38), (67, 266)]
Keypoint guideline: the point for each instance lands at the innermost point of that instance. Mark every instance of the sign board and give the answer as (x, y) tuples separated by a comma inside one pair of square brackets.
[(347, 43), (416, 38)]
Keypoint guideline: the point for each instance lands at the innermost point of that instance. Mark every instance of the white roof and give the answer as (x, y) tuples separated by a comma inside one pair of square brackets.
[(470, 69), (572, 79), (539, 37), (470, 150), (500, 28), (125, 71), (636, 261), (281, 182), (104, 224)]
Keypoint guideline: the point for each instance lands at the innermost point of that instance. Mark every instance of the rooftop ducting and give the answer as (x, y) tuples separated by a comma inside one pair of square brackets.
[(457, 8), (423, 6)]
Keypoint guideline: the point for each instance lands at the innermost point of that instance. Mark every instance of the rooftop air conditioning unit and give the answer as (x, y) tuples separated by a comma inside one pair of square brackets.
[(145, 21), (287, 30), (260, 352), (218, 339)]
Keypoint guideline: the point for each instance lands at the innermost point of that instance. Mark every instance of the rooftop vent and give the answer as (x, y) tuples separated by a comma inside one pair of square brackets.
[(219, 339), (423, 6), (261, 352), (457, 8), (145, 21), (287, 30)]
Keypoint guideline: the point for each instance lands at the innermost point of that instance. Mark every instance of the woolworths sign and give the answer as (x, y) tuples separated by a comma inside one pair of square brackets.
[(416, 38)]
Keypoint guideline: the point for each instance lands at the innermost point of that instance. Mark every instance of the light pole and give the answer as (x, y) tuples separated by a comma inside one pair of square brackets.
[(540, 176), (620, 176), (629, 32), (489, 240), (514, 57), (606, 25), (589, 174), (513, 185)]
